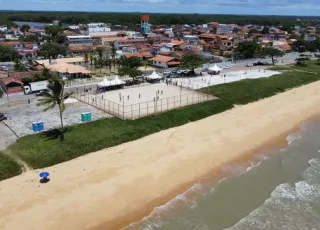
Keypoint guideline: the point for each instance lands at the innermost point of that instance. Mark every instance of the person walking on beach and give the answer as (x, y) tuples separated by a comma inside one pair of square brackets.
[(139, 96), (128, 97), (28, 101), (161, 92)]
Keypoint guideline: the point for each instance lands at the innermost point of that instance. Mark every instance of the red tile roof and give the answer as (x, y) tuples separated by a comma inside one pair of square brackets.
[(129, 55), (146, 54), (11, 43), (162, 58), (9, 80)]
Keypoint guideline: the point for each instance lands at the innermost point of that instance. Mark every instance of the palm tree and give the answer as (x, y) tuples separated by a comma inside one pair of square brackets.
[(55, 96), (113, 55), (95, 62), (86, 58), (100, 60), (91, 59)]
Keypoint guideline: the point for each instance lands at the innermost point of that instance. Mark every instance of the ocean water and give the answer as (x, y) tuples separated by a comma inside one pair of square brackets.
[(278, 189)]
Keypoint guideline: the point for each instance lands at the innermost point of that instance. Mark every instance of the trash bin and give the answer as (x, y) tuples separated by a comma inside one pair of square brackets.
[(89, 116), (35, 127), (83, 117), (40, 126)]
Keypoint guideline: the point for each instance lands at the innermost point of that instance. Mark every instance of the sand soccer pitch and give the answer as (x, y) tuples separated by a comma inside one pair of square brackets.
[(135, 102)]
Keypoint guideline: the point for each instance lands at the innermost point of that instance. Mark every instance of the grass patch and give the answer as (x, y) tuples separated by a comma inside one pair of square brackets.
[(280, 67), (45, 149), (8, 167), (250, 90)]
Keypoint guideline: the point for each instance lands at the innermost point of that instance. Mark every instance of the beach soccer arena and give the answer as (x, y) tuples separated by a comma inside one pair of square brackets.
[(132, 102), (142, 100)]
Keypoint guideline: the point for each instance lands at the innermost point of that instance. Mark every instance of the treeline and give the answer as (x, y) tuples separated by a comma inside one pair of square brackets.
[(155, 18)]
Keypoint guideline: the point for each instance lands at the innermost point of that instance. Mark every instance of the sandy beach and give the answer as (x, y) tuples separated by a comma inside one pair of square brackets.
[(110, 188)]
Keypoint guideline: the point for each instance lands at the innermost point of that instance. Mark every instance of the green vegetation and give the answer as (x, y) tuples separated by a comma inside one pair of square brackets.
[(129, 66), (8, 53), (45, 149), (247, 90), (272, 52), (8, 167), (55, 96), (1, 93), (131, 19), (247, 49), (52, 50), (191, 61)]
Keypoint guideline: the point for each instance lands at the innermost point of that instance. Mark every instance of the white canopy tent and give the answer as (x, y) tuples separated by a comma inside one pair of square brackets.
[(114, 82), (215, 68), (154, 76)]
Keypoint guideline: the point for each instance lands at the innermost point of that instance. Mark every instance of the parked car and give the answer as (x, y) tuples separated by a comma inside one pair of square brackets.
[(3, 117), (249, 65), (41, 92), (167, 72)]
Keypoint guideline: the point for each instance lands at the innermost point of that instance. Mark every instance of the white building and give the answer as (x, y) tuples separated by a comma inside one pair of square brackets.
[(3, 28), (80, 40), (224, 29), (99, 28), (74, 27)]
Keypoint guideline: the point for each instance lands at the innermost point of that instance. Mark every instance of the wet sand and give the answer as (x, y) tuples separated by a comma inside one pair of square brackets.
[(110, 188)]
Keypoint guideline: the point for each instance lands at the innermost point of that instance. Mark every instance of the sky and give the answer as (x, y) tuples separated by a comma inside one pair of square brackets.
[(256, 7)]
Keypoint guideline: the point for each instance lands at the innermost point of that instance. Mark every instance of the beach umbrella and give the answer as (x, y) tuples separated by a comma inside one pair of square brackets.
[(44, 174)]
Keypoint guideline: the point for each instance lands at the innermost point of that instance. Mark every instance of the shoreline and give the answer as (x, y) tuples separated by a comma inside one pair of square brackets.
[(212, 177), (114, 187)]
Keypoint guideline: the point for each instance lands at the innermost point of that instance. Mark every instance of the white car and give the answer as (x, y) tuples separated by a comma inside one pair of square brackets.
[(166, 72), (249, 65)]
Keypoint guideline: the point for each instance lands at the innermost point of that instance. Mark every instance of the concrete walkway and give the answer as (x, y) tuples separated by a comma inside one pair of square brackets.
[(7, 136)]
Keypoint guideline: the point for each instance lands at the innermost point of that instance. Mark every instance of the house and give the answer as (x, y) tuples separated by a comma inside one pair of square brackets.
[(129, 55), (130, 49), (79, 49), (97, 29), (3, 28), (14, 44), (309, 37), (80, 40), (223, 29), (146, 55), (191, 39), (130, 42), (208, 37), (164, 61), (13, 83), (158, 48), (275, 36)]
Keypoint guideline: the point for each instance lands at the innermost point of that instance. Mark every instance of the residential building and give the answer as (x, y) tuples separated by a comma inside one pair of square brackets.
[(130, 42), (80, 40), (191, 39), (97, 29), (164, 61), (275, 36), (130, 49), (223, 29), (129, 55), (3, 28), (74, 27), (309, 37), (158, 48)]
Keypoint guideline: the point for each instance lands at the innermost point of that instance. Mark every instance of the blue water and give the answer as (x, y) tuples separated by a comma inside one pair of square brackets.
[(274, 191)]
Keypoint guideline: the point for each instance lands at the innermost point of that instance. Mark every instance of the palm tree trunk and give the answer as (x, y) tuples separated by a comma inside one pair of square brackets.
[(61, 120)]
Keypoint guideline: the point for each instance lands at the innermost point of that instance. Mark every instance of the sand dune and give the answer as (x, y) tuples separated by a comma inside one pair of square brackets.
[(109, 188)]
